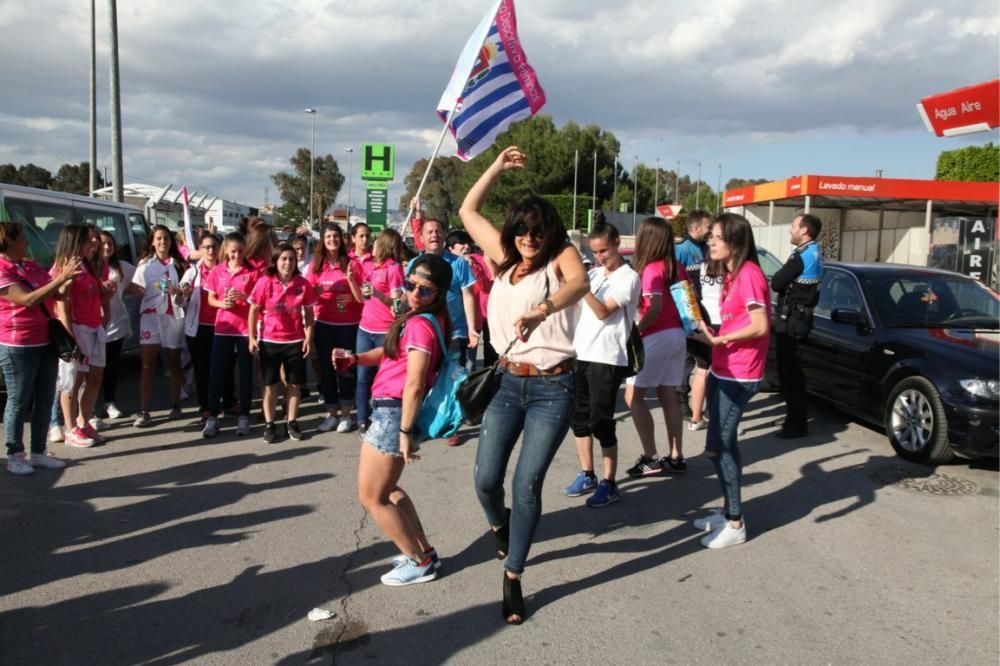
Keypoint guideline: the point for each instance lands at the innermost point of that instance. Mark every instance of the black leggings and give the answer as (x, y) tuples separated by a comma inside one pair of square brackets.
[(113, 350)]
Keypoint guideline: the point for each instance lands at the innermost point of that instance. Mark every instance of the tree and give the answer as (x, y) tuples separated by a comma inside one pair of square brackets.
[(703, 197), (442, 193), (294, 187), (8, 174), (31, 175), (734, 183), (972, 163), (75, 179)]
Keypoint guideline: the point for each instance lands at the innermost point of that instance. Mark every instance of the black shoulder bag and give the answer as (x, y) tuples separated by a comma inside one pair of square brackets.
[(62, 340)]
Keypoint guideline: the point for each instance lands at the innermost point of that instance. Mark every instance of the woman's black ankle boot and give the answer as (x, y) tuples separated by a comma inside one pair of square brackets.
[(502, 535), (513, 601)]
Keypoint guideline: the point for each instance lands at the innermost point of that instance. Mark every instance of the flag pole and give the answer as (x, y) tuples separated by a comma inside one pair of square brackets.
[(430, 163), (576, 168)]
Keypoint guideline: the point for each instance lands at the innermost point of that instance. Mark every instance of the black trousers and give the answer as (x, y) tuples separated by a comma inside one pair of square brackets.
[(793, 382), (113, 353), (597, 387), (200, 347)]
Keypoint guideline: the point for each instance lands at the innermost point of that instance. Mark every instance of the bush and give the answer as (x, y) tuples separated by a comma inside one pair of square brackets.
[(974, 163)]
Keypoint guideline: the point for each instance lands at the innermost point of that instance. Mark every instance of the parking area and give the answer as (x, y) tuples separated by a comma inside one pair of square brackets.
[(161, 547)]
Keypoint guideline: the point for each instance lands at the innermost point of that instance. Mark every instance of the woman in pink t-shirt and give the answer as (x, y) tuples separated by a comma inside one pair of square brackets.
[(361, 248), (665, 345), (282, 302), (199, 317), (739, 354), (27, 358), (382, 289), (83, 306), (407, 365), (337, 281), (261, 240), (229, 286)]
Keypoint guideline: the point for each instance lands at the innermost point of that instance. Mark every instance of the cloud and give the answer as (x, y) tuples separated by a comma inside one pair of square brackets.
[(213, 93)]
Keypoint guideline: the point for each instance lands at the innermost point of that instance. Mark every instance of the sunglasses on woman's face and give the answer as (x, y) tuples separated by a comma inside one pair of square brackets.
[(209, 248), (522, 229), (422, 292)]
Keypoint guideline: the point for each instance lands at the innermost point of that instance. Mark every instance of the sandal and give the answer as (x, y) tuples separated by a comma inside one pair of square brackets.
[(502, 535), (513, 601)]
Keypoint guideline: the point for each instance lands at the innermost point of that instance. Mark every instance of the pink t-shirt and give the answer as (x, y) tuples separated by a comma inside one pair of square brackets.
[(259, 264), (219, 280), (334, 282), (743, 360), (206, 312), (484, 281), (377, 317), (366, 262), (184, 250), (281, 307), (656, 282), (85, 297), (419, 336), (22, 326)]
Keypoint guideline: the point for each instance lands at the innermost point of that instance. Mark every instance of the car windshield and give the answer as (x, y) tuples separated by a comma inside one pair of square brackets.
[(768, 262), (931, 300)]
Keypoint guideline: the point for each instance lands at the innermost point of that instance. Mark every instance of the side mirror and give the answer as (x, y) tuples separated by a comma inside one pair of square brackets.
[(846, 316)]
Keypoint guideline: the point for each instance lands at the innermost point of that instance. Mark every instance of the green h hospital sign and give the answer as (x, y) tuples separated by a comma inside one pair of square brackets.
[(378, 161)]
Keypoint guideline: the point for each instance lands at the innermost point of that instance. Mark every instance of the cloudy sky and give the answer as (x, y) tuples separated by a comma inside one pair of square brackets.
[(213, 91)]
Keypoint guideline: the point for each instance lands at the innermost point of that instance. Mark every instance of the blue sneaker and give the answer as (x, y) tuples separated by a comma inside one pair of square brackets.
[(403, 559), (581, 485), (604, 495), (408, 573)]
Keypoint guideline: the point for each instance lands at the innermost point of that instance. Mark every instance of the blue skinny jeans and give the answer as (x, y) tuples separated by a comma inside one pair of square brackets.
[(727, 399)]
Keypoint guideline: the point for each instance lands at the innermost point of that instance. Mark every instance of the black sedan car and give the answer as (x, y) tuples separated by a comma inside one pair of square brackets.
[(912, 349)]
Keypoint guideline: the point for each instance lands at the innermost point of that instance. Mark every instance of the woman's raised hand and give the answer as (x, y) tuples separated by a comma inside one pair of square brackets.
[(509, 158), (70, 269)]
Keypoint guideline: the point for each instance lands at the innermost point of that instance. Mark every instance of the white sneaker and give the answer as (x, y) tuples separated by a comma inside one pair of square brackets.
[(211, 428), (344, 425), (46, 461), (725, 536), (96, 423), (328, 424), (18, 466), (55, 434), (710, 522), (698, 425), (243, 426), (113, 411)]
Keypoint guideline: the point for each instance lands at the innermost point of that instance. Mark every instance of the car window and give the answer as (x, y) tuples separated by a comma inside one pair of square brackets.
[(838, 290), (42, 224), (768, 263), (943, 301), (139, 232)]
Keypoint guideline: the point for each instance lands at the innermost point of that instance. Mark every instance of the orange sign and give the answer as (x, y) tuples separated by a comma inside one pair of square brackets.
[(871, 188), (962, 111)]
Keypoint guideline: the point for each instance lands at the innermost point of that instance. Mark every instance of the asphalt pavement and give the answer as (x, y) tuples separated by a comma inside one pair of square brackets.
[(161, 547)]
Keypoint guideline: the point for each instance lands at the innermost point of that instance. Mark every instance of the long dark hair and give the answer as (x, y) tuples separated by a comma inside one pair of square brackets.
[(71, 241), (738, 235), (281, 248), (174, 253), (260, 241), (319, 256), (440, 275), (388, 245), (114, 261), (655, 242), (533, 210)]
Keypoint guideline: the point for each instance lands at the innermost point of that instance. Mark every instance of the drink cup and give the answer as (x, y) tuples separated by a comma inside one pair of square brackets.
[(366, 290), (342, 360)]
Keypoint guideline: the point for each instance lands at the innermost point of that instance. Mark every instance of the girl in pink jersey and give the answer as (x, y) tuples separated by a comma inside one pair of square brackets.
[(199, 317), (361, 248), (260, 245), (282, 302), (229, 286), (407, 365), (82, 306), (665, 346), (337, 282), (161, 318), (739, 354), (27, 358), (382, 288)]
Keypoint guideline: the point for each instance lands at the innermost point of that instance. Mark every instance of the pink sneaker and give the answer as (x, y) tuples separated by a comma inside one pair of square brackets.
[(91, 432), (78, 439)]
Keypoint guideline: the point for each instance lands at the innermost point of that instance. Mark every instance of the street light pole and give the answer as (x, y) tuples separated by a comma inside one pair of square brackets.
[(656, 184), (350, 175), (677, 183), (718, 192), (312, 165), (116, 106), (614, 189), (697, 190), (635, 192), (93, 99), (593, 202)]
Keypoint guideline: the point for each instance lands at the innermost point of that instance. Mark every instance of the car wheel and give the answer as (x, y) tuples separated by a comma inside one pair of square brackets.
[(916, 423)]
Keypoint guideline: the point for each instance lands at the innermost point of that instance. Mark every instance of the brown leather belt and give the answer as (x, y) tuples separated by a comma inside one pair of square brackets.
[(528, 370)]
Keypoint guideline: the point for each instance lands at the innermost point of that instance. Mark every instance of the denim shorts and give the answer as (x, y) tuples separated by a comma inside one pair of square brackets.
[(383, 433)]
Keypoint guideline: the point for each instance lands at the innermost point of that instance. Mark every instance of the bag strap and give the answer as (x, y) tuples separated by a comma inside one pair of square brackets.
[(41, 304), (440, 334)]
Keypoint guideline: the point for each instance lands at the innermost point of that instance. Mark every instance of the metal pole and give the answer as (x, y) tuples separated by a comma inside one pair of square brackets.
[(697, 189), (116, 106), (656, 184), (93, 97), (677, 183), (350, 180), (593, 203), (312, 165), (576, 170), (614, 191), (635, 192), (430, 163), (718, 191)]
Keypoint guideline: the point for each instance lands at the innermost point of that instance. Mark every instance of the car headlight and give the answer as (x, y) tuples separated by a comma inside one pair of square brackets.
[(983, 388)]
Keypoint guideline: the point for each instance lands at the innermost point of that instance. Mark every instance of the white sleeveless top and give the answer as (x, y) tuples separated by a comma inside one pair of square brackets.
[(552, 342)]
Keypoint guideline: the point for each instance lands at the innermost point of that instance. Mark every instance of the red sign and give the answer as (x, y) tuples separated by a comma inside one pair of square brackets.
[(741, 196), (963, 111), (668, 211)]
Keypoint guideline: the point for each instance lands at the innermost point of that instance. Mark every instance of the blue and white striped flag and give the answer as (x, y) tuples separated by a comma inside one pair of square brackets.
[(492, 85)]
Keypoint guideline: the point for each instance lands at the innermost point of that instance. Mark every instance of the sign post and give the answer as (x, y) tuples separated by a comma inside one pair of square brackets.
[(378, 161)]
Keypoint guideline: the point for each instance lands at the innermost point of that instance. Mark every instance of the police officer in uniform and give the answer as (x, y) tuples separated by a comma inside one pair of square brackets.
[(797, 284)]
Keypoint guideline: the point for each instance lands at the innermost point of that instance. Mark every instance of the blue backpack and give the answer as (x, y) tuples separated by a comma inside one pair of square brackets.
[(440, 414)]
